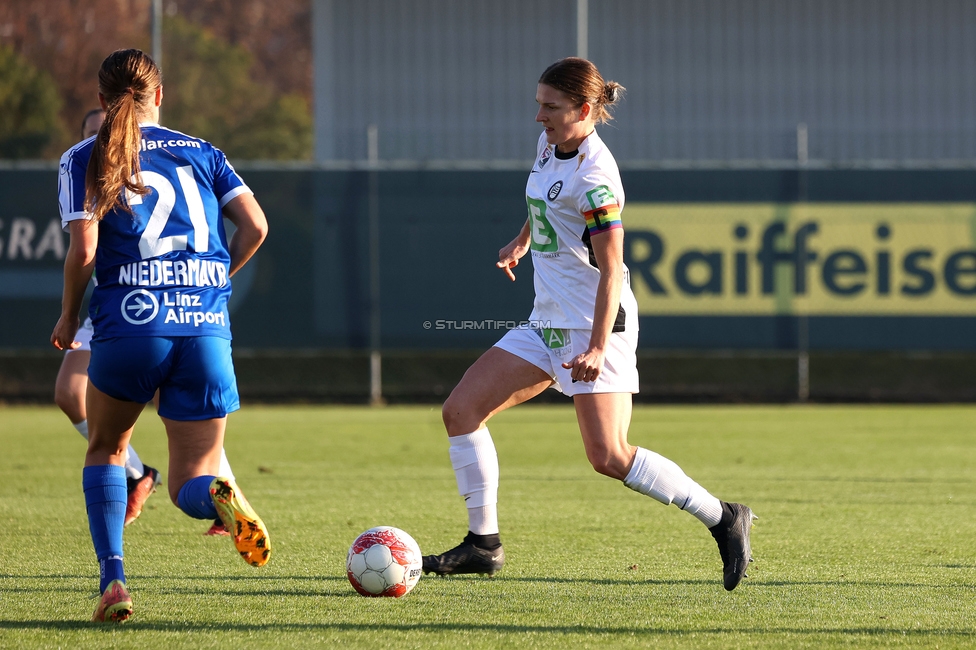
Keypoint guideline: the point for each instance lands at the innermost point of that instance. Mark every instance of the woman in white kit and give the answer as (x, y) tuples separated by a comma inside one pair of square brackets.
[(586, 341)]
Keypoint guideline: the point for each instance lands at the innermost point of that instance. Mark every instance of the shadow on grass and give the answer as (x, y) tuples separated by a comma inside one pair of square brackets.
[(596, 478), (135, 579), (345, 592), (185, 626), (955, 566), (144, 576), (748, 584), (869, 479), (49, 576), (27, 590)]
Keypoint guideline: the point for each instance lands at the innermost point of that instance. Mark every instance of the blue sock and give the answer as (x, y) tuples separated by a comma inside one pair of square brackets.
[(105, 498), (194, 498), (110, 569)]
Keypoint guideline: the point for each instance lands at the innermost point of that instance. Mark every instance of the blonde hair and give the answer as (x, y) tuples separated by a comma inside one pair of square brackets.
[(582, 82), (128, 80)]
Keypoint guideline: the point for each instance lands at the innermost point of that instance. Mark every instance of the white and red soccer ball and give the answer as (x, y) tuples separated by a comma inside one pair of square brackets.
[(384, 561)]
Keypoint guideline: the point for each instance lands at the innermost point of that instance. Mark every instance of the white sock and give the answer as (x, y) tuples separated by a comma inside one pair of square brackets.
[(656, 476), (475, 466), (225, 469), (133, 465), (483, 520)]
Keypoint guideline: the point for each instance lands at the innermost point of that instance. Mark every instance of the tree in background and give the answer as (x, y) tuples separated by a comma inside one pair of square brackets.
[(29, 106), (277, 34), (209, 93), (69, 40), (269, 45)]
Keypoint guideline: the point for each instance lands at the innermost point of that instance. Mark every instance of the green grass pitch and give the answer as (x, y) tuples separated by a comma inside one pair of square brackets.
[(866, 537)]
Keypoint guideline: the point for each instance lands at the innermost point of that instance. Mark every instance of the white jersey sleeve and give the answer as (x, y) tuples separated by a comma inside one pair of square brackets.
[(71, 182)]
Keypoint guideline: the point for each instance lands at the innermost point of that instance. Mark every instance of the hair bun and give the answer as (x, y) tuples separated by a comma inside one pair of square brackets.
[(610, 92)]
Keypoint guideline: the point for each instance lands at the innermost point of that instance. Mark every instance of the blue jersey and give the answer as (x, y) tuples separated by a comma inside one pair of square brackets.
[(163, 269)]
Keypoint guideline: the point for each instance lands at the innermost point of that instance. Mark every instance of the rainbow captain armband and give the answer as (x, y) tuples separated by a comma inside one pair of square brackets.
[(603, 219), (605, 213)]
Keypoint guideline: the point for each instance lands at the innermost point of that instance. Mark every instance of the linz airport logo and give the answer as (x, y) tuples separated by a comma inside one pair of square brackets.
[(554, 191), (139, 307), (546, 155)]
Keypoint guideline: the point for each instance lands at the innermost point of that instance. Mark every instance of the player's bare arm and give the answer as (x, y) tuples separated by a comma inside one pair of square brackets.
[(79, 262), (608, 248), (252, 227), (509, 256)]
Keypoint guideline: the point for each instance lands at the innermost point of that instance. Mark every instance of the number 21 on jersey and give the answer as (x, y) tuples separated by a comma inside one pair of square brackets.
[(543, 237), (152, 243)]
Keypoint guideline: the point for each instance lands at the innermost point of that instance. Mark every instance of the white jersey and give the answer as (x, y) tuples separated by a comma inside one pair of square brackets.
[(570, 200)]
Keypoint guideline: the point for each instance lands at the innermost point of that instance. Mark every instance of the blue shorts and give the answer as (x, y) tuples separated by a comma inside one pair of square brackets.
[(194, 374)]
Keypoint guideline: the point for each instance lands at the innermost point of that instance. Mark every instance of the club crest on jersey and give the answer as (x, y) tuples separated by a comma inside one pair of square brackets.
[(554, 191), (546, 155), (139, 307)]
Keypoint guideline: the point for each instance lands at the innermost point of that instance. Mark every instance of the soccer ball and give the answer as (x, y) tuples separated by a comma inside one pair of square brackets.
[(384, 561)]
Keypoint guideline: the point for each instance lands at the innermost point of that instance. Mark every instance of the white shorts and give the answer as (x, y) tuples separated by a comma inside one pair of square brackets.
[(84, 336), (619, 374)]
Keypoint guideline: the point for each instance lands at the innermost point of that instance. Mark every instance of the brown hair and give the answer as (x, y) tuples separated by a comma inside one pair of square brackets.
[(582, 82), (128, 80), (84, 120)]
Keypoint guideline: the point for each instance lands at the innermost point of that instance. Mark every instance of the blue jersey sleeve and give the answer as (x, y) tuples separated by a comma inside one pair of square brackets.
[(226, 183)]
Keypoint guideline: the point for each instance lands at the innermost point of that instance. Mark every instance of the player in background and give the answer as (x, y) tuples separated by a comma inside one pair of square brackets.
[(144, 205), (92, 122), (72, 383), (585, 340)]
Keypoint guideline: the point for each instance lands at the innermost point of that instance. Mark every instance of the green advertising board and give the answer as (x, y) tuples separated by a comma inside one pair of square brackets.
[(812, 259), (719, 259)]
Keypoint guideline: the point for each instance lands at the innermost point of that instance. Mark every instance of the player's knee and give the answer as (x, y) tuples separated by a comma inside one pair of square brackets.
[(104, 450), (450, 413), (607, 463), (456, 417), (62, 399), (602, 465), (69, 401), (174, 493)]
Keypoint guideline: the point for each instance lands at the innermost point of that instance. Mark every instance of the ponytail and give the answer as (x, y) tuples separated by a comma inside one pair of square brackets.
[(128, 80), (612, 92)]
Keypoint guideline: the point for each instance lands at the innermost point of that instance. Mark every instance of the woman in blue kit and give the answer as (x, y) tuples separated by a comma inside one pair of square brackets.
[(144, 207)]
